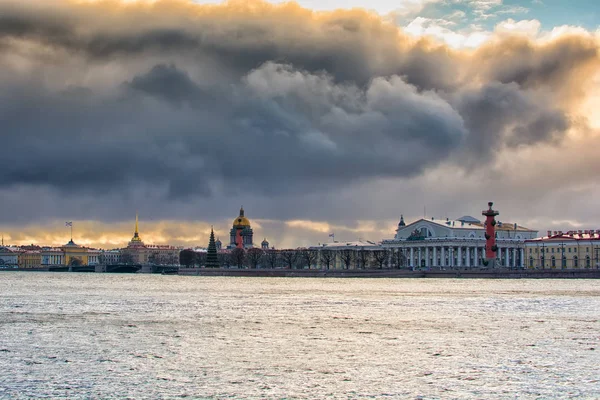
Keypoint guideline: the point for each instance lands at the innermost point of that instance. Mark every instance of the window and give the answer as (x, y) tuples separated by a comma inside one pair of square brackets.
[(587, 249), (531, 262), (587, 261), (569, 249), (553, 261), (564, 262), (553, 250), (575, 262)]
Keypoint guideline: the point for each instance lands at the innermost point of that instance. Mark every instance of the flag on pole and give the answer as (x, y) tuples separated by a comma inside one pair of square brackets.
[(69, 223), (331, 235)]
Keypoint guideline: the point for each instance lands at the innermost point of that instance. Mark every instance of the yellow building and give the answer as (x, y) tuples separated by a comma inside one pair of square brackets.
[(571, 250), (30, 259), (137, 252), (75, 254)]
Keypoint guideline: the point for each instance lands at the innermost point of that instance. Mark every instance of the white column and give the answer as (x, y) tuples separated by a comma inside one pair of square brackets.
[(507, 258), (459, 261), (522, 261), (443, 260), (412, 255), (475, 257), (514, 255), (468, 256), (435, 256), (427, 257)]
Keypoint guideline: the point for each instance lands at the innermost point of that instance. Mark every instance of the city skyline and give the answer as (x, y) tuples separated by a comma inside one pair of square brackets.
[(317, 121)]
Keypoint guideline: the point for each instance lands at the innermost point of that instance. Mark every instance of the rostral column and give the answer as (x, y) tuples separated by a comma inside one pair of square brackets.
[(490, 236)]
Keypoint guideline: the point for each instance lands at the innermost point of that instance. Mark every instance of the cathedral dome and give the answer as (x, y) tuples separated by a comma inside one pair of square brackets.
[(241, 220)]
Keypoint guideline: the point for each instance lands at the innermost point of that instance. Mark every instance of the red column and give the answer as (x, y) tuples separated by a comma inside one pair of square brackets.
[(490, 232)]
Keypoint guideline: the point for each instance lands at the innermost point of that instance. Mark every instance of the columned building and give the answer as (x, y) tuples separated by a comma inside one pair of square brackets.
[(241, 234), (438, 243), (564, 250)]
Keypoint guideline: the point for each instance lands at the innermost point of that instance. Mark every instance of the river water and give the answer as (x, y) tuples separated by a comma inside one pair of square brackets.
[(68, 335)]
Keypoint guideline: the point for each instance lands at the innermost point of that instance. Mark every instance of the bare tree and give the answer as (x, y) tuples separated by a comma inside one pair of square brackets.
[(200, 259), (289, 257), (327, 258), (272, 258), (310, 257), (127, 258), (224, 259), (364, 257), (347, 256), (75, 262), (255, 255), (238, 256), (399, 258), (380, 257)]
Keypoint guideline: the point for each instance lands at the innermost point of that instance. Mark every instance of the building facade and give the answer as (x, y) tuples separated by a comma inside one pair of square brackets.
[(431, 243), (137, 252), (52, 256), (29, 259), (564, 250), (9, 257), (241, 234)]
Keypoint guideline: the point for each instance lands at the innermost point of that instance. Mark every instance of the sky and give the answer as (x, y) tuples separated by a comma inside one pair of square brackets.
[(318, 117)]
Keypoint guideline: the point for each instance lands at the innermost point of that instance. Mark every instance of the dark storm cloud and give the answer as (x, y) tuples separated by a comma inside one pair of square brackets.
[(499, 115), (254, 99)]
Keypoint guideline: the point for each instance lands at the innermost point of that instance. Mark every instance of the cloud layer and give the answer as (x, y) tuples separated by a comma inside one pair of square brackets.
[(171, 102)]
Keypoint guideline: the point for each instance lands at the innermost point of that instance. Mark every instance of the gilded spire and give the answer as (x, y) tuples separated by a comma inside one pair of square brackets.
[(136, 235)]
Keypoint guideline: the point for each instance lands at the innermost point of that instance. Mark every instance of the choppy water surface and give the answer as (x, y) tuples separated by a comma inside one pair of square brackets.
[(143, 336)]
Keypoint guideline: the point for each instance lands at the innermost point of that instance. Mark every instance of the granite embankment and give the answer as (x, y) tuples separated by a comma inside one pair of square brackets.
[(398, 273)]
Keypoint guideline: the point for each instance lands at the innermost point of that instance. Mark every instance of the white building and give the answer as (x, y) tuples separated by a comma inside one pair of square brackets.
[(435, 243), (52, 256), (9, 257)]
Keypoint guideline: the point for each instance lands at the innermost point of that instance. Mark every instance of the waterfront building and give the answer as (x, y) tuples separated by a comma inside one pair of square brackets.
[(137, 252), (241, 234), (75, 254), (578, 249), (264, 244), (109, 257), (28, 259), (460, 243), (9, 257), (346, 255), (52, 256)]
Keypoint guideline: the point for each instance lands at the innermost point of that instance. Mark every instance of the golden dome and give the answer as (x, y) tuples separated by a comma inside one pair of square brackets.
[(241, 220)]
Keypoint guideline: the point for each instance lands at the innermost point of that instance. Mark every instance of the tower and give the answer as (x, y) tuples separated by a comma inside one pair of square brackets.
[(490, 236), (241, 234), (401, 223), (265, 244), (136, 239), (212, 260)]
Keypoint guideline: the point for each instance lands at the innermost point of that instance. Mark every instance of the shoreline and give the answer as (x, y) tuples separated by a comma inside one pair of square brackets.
[(377, 273), (372, 273)]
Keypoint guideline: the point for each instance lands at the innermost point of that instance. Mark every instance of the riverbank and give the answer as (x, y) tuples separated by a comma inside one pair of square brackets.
[(397, 273)]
